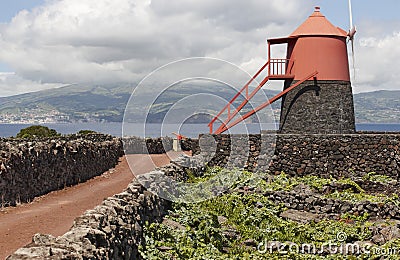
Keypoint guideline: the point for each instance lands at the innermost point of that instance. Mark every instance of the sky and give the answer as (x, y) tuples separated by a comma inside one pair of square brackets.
[(50, 43)]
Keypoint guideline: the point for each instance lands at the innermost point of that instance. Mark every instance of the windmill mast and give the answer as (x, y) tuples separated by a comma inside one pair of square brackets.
[(352, 32), (351, 15)]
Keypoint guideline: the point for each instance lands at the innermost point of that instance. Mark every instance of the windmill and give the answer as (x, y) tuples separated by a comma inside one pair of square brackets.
[(351, 34), (317, 94)]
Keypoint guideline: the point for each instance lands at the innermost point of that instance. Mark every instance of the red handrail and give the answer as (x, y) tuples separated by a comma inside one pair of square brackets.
[(245, 88), (276, 68), (272, 100)]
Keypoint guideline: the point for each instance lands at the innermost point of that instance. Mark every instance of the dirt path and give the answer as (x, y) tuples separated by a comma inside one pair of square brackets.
[(55, 212)]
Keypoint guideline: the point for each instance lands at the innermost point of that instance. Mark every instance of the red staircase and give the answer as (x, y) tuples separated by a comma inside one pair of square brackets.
[(278, 69)]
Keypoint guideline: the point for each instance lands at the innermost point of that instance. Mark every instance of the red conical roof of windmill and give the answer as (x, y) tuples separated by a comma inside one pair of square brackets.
[(317, 24)]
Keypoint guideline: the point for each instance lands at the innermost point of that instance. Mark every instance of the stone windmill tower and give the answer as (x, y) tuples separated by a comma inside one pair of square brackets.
[(317, 95)]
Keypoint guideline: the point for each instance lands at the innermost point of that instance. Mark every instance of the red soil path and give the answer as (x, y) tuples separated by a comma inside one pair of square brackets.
[(55, 212)]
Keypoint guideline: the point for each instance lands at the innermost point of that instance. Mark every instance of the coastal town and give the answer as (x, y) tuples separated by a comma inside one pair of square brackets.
[(34, 117)]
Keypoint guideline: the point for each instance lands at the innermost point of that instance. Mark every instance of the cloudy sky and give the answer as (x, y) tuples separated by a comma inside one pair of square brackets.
[(50, 43)]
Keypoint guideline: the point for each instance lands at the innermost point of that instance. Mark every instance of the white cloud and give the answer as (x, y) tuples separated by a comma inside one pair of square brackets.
[(108, 41), (10, 83), (377, 63)]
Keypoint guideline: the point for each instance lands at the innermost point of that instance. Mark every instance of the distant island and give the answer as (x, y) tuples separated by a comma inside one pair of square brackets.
[(77, 104)]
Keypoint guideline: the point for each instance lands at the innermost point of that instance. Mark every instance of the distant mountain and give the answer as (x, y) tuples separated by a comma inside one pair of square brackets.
[(377, 107), (76, 103), (104, 103)]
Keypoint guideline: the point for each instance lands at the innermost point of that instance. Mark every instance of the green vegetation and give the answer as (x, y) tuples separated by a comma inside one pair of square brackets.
[(374, 177), (37, 131), (354, 194), (350, 195), (86, 132), (285, 183), (238, 225)]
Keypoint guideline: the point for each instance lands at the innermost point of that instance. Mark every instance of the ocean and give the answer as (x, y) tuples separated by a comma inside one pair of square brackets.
[(156, 130)]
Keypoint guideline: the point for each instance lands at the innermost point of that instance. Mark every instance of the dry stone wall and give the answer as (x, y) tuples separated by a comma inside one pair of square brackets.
[(322, 155), (315, 203), (112, 230), (32, 168), (137, 145)]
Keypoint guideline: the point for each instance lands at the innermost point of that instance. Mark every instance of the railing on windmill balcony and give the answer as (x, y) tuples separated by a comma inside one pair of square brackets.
[(280, 68)]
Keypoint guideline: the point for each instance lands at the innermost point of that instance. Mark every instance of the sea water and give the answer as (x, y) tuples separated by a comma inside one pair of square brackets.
[(156, 130)]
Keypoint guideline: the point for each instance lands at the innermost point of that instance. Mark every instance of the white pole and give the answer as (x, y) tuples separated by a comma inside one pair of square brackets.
[(351, 15)]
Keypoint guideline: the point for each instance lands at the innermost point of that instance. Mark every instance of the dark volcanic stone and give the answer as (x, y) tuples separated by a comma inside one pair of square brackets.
[(318, 107)]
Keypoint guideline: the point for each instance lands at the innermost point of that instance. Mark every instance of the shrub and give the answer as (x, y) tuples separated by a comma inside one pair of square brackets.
[(37, 131), (86, 132)]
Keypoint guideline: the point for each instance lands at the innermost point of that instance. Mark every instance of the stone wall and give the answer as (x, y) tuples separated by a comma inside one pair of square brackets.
[(112, 230), (323, 155), (137, 145), (315, 203), (189, 144), (32, 168)]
